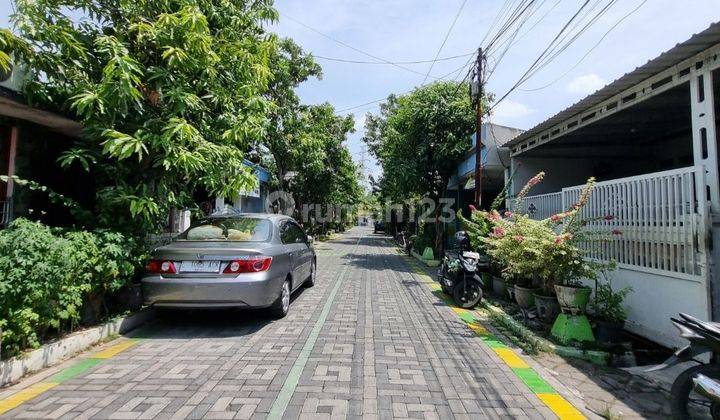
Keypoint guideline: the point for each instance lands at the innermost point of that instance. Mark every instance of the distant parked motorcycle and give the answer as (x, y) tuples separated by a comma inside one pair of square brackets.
[(696, 391), (459, 274)]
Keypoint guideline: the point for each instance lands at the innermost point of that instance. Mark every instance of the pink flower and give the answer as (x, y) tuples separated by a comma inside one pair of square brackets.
[(616, 232), (559, 239), (508, 214), (519, 238), (609, 217), (494, 216), (472, 207), (498, 232), (555, 217)]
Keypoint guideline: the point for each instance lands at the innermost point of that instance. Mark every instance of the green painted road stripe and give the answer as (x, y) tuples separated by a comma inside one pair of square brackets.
[(74, 370), (534, 381), (288, 389), (291, 382)]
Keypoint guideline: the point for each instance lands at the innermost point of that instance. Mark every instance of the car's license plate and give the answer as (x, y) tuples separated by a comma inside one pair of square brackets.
[(200, 266)]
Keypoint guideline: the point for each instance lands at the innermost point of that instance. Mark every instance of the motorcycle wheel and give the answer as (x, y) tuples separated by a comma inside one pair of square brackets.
[(686, 403), (467, 294)]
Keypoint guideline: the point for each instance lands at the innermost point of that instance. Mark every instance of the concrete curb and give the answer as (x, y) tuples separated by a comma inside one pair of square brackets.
[(13, 369)]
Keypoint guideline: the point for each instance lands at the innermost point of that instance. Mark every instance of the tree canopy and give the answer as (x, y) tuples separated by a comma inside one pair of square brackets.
[(418, 139), (173, 95)]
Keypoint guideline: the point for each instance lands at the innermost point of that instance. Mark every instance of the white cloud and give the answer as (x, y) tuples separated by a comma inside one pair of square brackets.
[(509, 110), (585, 84)]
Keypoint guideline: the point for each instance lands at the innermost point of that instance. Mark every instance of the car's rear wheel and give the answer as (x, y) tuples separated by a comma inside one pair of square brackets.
[(310, 282), (282, 305)]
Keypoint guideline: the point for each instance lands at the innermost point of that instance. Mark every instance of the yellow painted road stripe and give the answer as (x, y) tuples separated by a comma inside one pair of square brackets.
[(25, 395), (478, 329), (561, 407), (510, 358), (34, 390), (114, 350)]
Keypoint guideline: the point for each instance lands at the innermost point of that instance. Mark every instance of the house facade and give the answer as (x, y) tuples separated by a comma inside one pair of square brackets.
[(30, 142), (650, 139), (495, 158)]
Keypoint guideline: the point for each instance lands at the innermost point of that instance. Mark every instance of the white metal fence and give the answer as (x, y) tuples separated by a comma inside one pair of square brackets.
[(658, 220), (542, 206)]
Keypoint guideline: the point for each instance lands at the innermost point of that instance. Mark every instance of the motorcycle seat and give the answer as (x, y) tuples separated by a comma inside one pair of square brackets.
[(712, 327)]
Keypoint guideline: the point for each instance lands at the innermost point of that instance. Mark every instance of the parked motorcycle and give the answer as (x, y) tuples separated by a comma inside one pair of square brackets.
[(696, 391), (459, 273)]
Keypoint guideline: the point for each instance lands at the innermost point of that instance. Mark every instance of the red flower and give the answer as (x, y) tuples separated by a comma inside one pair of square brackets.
[(609, 217), (616, 232), (555, 217)]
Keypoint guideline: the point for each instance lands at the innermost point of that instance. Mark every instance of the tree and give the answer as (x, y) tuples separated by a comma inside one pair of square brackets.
[(307, 140), (290, 67), (325, 171), (170, 93), (418, 139)]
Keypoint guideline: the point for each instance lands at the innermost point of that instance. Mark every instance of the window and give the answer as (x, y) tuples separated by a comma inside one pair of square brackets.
[(291, 233), (240, 229)]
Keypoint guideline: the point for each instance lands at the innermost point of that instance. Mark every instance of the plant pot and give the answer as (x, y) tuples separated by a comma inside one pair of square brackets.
[(499, 287), (547, 307), (525, 296), (487, 281), (92, 309), (609, 332), (573, 300)]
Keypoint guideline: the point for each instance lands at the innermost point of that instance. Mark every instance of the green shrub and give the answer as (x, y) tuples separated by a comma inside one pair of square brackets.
[(424, 239), (47, 274)]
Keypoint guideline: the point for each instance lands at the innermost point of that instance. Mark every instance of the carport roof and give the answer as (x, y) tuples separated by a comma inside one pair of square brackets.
[(695, 45)]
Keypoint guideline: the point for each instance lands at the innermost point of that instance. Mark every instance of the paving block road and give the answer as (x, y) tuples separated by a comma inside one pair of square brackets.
[(372, 339)]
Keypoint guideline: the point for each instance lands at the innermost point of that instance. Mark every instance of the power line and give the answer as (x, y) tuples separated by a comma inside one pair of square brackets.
[(590, 50), (541, 59), (344, 44), (342, 60), (447, 35), (384, 98)]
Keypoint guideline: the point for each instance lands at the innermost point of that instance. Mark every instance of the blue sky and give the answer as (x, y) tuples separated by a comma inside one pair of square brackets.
[(411, 30)]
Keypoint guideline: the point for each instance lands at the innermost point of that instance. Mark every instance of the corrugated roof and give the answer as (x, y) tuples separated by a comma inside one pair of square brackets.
[(695, 45)]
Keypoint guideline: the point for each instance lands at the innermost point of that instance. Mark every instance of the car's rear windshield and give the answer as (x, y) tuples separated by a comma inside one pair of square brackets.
[(241, 229)]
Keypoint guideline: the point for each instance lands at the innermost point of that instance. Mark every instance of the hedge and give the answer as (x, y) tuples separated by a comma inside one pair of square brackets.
[(47, 275)]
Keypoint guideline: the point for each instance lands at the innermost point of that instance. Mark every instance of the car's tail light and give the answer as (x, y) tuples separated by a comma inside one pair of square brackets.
[(248, 265), (161, 266)]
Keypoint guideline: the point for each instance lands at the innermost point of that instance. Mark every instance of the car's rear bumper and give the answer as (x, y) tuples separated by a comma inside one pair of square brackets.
[(244, 291)]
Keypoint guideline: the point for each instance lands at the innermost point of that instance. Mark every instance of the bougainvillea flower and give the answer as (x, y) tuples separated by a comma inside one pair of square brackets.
[(609, 217), (616, 232), (498, 232), (508, 214)]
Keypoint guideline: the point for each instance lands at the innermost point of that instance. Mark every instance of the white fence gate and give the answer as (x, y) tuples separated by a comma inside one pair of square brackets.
[(658, 220)]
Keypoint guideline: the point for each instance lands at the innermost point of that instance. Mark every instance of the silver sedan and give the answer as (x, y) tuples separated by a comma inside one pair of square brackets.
[(238, 261)]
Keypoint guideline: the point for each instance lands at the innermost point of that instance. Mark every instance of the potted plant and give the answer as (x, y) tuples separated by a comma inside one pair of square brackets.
[(524, 292), (609, 312)]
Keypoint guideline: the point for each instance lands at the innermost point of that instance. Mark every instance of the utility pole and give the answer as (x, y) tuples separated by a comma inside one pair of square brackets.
[(477, 91)]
